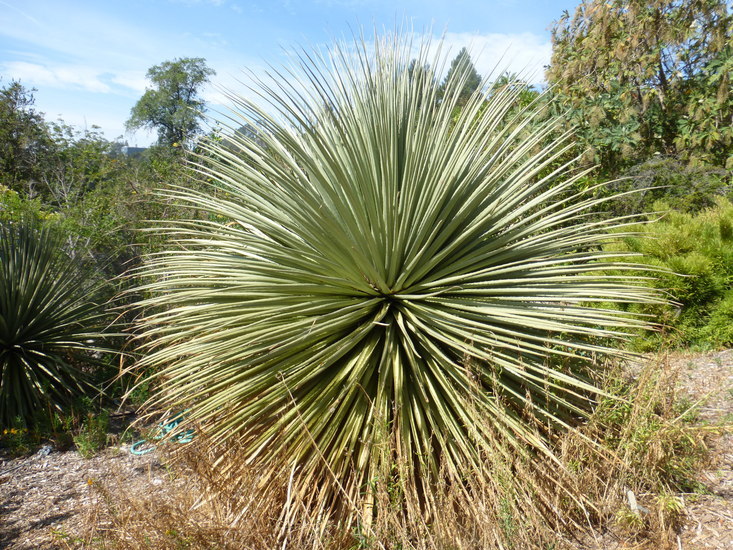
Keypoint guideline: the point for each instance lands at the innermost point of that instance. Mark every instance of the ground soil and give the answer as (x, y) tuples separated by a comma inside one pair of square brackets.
[(47, 501), (709, 378)]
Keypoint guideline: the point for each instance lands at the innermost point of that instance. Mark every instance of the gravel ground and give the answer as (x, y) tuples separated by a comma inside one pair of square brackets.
[(709, 377), (46, 500)]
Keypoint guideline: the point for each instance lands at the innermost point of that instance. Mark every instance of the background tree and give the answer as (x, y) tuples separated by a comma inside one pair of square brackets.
[(462, 68), (78, 161), (173, 106), (647, 77), (23, 139)]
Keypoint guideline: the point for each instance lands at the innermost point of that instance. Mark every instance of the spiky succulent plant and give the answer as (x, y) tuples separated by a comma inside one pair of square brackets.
[(379, 282), (51, 319)]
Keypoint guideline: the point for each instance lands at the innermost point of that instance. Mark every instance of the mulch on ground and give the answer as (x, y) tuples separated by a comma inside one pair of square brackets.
[(45, 499)]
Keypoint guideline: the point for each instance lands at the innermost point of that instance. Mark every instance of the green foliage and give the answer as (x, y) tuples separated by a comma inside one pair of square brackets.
[(640, 77), (718, 328), (50, 322), (83, 424), (173, 106), (97, 197), (462, 79), (683, 187), (14, 207), (75, 164), (88, 191), (14, 438), (526, 96), (23, 139), (697, 252), (92, 436), (386, 285)]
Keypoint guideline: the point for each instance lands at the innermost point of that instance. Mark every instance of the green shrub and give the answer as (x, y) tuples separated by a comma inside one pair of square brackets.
[(92, 435), (14, 207), (718, 329), (51, 318), (696, 250)]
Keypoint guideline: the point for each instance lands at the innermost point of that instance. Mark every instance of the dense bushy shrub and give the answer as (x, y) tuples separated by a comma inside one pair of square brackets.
[(695, 254)]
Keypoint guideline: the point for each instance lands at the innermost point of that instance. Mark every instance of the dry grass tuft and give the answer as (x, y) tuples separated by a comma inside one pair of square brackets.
[(629, 489), (648, 454)]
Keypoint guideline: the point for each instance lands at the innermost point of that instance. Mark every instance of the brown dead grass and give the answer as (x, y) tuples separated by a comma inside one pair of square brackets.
[(624, 491)]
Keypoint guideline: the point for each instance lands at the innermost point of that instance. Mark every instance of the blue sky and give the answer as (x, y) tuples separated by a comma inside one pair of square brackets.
[(88, 59)]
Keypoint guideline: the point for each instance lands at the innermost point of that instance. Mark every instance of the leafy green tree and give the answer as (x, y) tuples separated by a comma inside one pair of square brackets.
[(173, 106), (392, 293), (462, 78), (642, 77), (527, 94), (23, 139), (683, 187), (77, 162)]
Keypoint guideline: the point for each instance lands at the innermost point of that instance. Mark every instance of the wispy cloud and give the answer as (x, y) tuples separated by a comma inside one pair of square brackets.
[(76, 39), (525, 54), (98, 53), (131, 79), (21, 12), (78, 51), (67, 76)]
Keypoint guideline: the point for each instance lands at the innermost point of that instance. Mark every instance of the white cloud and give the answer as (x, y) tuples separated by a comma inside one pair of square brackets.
[(83, 77), (132, 79), (86, 38), (61, 76), (525, 54), (231, 79)]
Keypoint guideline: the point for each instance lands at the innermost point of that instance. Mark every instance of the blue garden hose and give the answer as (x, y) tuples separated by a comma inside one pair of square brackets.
[(163, 430)]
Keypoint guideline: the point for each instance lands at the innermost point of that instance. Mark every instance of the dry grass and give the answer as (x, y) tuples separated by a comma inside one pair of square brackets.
[(627, 487), (648, 454)]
